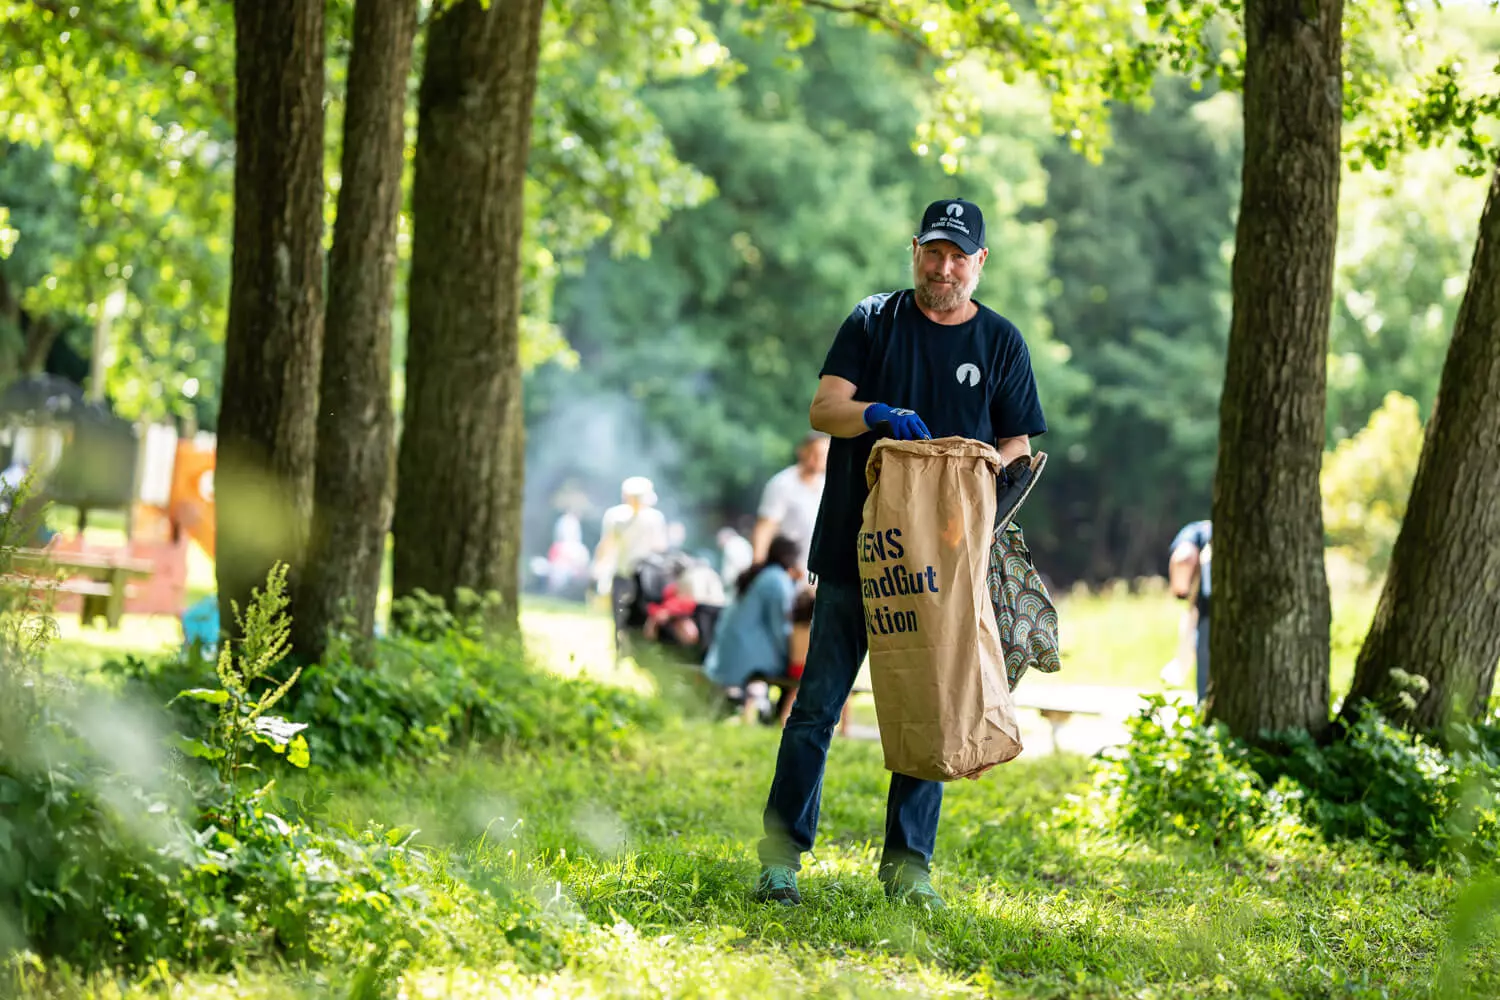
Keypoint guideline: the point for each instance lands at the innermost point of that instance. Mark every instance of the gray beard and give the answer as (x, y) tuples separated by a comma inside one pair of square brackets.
[(950, 298)]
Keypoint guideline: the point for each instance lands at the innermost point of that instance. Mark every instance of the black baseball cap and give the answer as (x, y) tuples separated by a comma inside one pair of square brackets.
[(955, 220)]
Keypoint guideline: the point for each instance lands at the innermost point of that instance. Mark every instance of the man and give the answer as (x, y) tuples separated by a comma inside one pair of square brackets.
[(631, 531), (1188, 575), (789, 503), (923, 362)]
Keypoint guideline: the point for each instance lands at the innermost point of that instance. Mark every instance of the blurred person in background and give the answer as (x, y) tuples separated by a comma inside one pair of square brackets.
[(630, 532), (736, 555), (789, 502), (567, 558), (1188, 575), (753, 639)]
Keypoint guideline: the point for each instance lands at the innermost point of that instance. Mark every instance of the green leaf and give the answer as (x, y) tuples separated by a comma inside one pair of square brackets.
[(297, 754), (213, 696), (197, 748)]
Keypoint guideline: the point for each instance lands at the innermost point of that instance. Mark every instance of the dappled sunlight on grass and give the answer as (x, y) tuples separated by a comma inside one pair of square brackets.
[(637, 861), (80, 651), (657, 849), (618, 960)]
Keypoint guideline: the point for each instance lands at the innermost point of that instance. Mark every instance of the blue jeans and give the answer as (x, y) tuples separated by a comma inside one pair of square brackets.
[(836, 648), (1202, 657)]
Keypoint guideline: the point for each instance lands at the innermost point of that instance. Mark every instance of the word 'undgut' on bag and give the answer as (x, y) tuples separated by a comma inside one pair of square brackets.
[(936, 663)]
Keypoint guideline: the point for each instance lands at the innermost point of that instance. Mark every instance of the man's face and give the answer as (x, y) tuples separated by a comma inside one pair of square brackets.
[(943, 275), (812, 458)]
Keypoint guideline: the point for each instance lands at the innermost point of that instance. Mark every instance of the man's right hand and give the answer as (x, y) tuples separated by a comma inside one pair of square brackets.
[(905, 424)]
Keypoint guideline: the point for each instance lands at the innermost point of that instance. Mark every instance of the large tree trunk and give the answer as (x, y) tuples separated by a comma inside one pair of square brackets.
[(1269, 654), (1439, 612), (268, 421), (355, 420), (458, 516)]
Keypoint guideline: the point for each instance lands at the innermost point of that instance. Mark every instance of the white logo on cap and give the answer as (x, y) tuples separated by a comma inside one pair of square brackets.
[(955, 210), (968, 374)]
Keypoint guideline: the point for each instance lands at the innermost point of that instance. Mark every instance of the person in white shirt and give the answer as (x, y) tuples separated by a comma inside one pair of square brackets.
[(631, 531), (736, 555), (789, 503)]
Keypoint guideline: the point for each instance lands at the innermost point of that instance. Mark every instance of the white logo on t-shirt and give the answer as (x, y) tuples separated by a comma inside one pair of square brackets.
[(968, 374)]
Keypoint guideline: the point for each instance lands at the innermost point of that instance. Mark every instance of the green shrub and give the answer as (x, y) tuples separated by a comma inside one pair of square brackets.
[(98, 871), (411, 698), (85, 866), (419, 697), (1409, 796), (81, 870), (294, 891), (1177, 777), (426, 617)]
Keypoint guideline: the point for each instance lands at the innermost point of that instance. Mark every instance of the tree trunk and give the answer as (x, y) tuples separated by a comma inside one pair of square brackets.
[(458, 512), (1269, 657), (268, 419), (1439, 612), (355, 419)]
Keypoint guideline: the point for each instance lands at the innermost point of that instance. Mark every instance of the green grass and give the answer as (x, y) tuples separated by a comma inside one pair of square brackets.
[(644, 861), (1123, 636), (659, 848)]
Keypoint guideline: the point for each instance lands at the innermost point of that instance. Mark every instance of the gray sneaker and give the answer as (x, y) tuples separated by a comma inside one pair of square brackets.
[(777, 884), (914, 886)]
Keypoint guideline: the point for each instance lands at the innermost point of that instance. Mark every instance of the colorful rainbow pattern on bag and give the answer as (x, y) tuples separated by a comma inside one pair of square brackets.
[(1023, 609)]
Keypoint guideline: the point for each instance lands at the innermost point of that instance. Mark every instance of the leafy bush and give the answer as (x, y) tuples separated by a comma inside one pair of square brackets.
[(83, 870), (308, 895), (414, 698), (1409, 796), (427, 618), (1177, 777), (100, 869), (80, 873)]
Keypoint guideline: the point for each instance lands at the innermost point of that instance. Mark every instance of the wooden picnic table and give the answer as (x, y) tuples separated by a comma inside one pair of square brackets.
[(102, 580)]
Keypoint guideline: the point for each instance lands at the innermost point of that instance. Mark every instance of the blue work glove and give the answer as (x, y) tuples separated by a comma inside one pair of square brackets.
[(905, 425)]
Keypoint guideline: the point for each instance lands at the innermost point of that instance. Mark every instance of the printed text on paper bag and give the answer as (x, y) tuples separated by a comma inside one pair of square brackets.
[(881, 575)]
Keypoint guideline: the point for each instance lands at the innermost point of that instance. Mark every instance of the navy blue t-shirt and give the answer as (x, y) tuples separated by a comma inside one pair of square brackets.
[(972, 380)]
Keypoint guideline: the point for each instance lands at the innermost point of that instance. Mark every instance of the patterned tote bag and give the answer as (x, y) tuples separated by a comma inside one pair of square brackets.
[(1023, 609)]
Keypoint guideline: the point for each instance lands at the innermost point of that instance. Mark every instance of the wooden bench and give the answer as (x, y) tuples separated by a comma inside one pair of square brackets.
[(1056, 703), (103, 581), (1059, 703)]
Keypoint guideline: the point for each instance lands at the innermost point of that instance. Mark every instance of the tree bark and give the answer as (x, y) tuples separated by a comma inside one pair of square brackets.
[(352, 512), (458, 513), (1439, 611), (272, 349), (1269, 656)]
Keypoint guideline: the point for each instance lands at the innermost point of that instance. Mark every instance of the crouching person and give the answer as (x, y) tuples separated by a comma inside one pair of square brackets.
[(751, 644)]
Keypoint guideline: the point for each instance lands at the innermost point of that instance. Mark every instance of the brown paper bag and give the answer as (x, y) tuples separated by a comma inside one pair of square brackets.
[(936, 663)]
